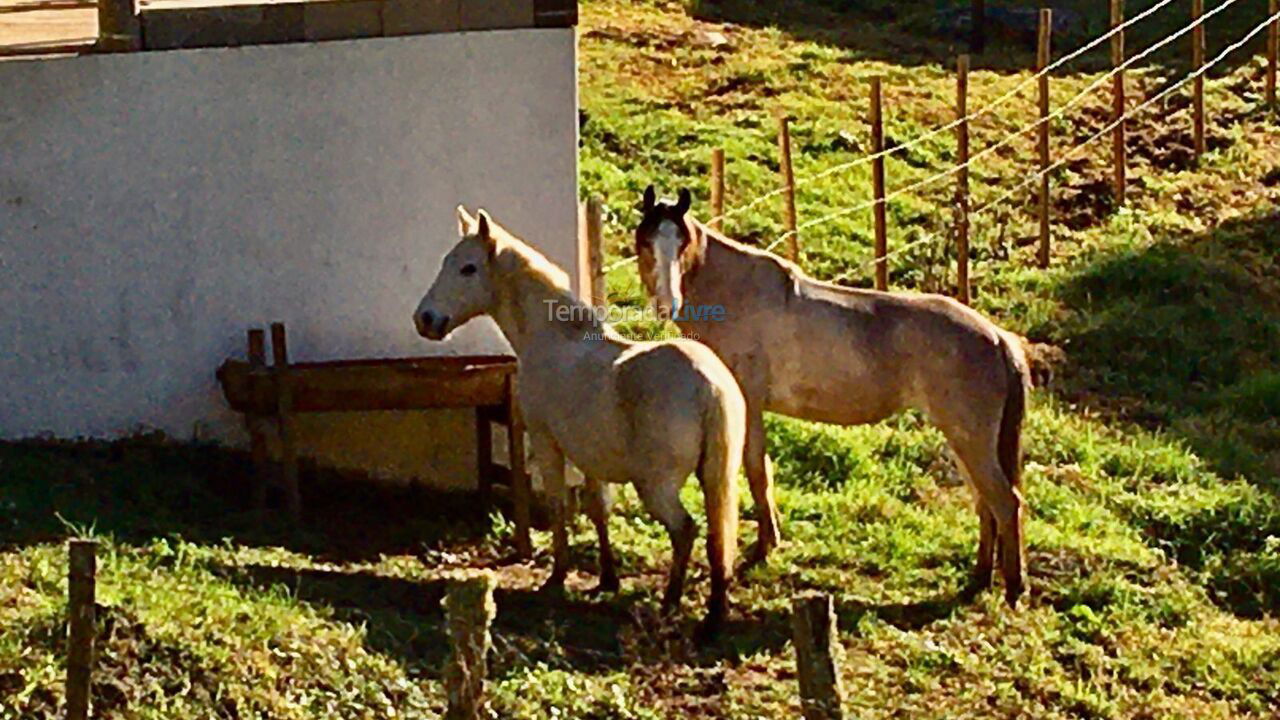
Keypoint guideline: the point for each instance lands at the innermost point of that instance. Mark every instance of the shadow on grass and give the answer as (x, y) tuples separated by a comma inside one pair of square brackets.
[(1183, 337), (140, 488), (405, 620), (935, 32)]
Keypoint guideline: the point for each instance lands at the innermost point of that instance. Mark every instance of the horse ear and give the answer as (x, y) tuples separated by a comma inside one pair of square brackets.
[(482, 224), (650, 197), (683, 202), (465, 221)]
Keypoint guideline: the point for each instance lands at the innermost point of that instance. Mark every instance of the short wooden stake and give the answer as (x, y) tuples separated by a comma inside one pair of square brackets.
[(813, 625), (118, 26), (284, 418), (1042, 62), (962, 179), (81, 582), (521, 492), (254, 424), (1117, 104), (469, 610), (877, 182), (717, 190), (1273, 49), (1197, 61), (789, 183)]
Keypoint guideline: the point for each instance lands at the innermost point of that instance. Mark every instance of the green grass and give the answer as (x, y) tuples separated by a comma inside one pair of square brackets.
[(1152, 458)]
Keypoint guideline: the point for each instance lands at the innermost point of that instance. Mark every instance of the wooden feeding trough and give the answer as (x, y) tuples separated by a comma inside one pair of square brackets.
[(271, 395)]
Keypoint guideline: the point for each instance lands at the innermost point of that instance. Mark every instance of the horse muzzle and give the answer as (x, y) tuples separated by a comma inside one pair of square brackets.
[(430, 325)]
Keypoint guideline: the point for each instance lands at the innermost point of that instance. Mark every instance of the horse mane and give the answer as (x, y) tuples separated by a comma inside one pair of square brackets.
[(744, 248), (517, 260)]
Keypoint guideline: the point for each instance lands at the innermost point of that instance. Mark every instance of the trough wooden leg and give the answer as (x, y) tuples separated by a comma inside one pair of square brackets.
[(254, 424), (521, 491), (484, 455), (284, 418), (261, 463)]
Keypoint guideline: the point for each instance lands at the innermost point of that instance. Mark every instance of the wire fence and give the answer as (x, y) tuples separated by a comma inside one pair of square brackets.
[(1196, 25)]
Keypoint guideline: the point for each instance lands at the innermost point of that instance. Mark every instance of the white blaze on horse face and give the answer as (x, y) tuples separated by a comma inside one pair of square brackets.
[(667, 243)]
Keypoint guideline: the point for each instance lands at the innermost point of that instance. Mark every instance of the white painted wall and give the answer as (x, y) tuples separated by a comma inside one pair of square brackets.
[(153, 205)]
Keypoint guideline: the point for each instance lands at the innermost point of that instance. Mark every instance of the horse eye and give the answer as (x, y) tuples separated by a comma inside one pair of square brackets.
[(468, 269)]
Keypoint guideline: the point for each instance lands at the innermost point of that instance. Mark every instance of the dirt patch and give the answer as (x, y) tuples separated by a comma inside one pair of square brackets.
[(1086, 200), (1170, 147), (664, 40), (133, 668)]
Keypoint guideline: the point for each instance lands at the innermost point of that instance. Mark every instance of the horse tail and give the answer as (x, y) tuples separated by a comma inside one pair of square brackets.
[(1009, 448), (724, 433)]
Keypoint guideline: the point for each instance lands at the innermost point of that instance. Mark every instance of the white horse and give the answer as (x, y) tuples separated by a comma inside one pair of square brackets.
[(647, 413), (822, 352)]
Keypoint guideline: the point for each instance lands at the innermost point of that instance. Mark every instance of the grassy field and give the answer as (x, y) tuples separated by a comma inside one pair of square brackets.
[(1153, 457)]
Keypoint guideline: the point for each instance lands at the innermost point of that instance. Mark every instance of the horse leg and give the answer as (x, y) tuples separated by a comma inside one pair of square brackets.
[(599, 500), (661, 497), (549, 460), (760, 476), (1003, 502), (986, 547)]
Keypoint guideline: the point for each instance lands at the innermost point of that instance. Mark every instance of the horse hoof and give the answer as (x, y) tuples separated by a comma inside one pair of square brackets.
[(553, 587), (606, 585), (707, 631), (980, 580), (757, 554), (1013, 592)]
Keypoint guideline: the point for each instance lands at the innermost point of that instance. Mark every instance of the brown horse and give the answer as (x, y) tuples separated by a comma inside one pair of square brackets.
[(823, 352)]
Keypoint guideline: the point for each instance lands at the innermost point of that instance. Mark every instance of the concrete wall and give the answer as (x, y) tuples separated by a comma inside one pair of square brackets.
[(153, 205)]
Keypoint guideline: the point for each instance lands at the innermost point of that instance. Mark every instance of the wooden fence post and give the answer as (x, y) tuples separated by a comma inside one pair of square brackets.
[(284, 417), (595, 252), (254, 423), (1273, 49), (1042, 62), (813, 625), (81, 570), (717, 189), (1117, 103), (962, 179), (1197, 61), (789, 180), (469, 610), (118, 26), (877, 186)]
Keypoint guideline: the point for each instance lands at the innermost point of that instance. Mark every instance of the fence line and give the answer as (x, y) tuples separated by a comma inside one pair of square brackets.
[(985, 109), (1003, 142), (994, 103), (1146, 104), (1115, 71)]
